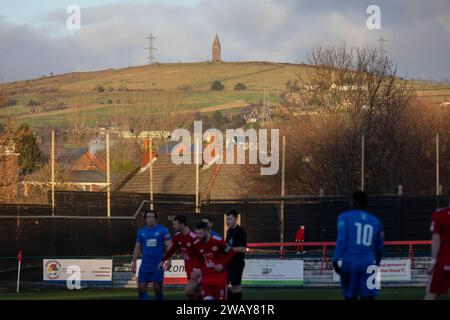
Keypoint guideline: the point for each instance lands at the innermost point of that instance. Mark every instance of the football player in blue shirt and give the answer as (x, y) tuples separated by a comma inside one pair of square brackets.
[(359, 245), (151, 243)]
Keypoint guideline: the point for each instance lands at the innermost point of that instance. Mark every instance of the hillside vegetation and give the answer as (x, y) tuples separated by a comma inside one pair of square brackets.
[(91, 97)]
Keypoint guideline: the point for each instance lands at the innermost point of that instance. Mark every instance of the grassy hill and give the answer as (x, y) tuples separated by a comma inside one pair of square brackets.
[(151, 88)]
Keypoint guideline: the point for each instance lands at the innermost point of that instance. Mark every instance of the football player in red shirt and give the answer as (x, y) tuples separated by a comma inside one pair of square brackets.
[(439, 271), (183, 240), (214, 255)]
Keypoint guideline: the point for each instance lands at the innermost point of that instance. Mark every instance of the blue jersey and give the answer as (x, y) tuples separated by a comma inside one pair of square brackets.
[(215, 234), (360, 236), (152, 244)]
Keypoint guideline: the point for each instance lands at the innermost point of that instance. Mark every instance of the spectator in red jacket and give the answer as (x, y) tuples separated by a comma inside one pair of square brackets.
[(300, 238)]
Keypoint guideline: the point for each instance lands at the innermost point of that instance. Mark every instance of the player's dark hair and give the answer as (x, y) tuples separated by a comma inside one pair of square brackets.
[(207, 218), (150, 211), (201, 225), (181, 219), (233, 213), (360, 199)]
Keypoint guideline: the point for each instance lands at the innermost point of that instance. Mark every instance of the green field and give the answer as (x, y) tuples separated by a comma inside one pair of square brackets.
[(177, 294), (179, 87), (145, 89)]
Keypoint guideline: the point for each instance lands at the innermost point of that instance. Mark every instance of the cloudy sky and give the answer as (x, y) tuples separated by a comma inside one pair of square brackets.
[(35, 40)]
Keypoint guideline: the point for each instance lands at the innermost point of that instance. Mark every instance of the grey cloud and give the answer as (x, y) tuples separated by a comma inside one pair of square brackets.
[(418, 34)]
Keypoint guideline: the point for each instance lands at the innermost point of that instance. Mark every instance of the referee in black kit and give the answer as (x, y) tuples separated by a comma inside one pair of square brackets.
[(237, 239)]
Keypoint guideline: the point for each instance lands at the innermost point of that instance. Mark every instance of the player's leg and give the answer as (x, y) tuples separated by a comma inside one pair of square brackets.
[(349, 283), (235, 271), (438, 284), (142, 290), (236, 292), (368, 280), (158, 289), (196, 293), (223, 292), (157, 279), (220, 292), (190, 290), (430, 295), (193, 288), (208, 291), (143, 280)]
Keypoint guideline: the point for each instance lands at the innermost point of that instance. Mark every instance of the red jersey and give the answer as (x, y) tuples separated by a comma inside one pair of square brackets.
[(441, 225), (210, 254), (185, 244), (300, 235)]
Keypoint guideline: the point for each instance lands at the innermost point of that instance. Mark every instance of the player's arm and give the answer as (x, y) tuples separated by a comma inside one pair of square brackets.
[(172, 249), (225, 257), (379, 249), (435, 246), (168, 243), (167, 239), (340, 243), (435, 242), (136, 254)]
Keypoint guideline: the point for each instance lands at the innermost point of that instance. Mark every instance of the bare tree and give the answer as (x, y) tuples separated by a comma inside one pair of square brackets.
[(356, 92)]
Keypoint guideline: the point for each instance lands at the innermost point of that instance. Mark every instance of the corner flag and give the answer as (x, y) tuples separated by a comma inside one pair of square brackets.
[(19, 260)]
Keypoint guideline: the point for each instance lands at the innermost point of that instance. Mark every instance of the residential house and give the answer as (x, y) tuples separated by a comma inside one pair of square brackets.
[(90, 161), (216, 181)]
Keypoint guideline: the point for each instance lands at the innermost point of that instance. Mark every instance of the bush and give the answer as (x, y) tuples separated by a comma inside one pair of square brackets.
[(217, 85), (33, 103), (11, 103), (30, 155), (218, 119), (240, 86), (109, 101), (100, 89)]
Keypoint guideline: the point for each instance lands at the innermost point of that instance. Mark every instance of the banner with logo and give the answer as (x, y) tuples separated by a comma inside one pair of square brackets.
[(256, 272), (98, 271), (273, 272), (391, 270), (176, 274)]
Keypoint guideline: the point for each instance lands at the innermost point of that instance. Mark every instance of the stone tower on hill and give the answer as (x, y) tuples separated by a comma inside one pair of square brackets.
[(216, 50)]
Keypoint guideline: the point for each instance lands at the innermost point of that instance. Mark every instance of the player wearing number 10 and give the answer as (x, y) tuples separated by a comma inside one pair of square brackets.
[(359, 245)]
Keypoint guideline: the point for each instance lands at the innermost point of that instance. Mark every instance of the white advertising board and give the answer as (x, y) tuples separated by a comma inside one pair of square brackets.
[(273, 272), (176, 274), (91, 270), (391, 270)]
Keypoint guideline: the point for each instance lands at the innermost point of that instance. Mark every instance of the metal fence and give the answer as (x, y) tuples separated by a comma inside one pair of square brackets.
[(38, 233)]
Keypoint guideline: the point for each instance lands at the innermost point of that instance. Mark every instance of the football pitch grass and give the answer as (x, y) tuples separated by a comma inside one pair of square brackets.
[(415, 293)]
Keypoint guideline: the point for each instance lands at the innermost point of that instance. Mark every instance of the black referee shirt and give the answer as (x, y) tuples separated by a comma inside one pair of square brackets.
[(236, 237)]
